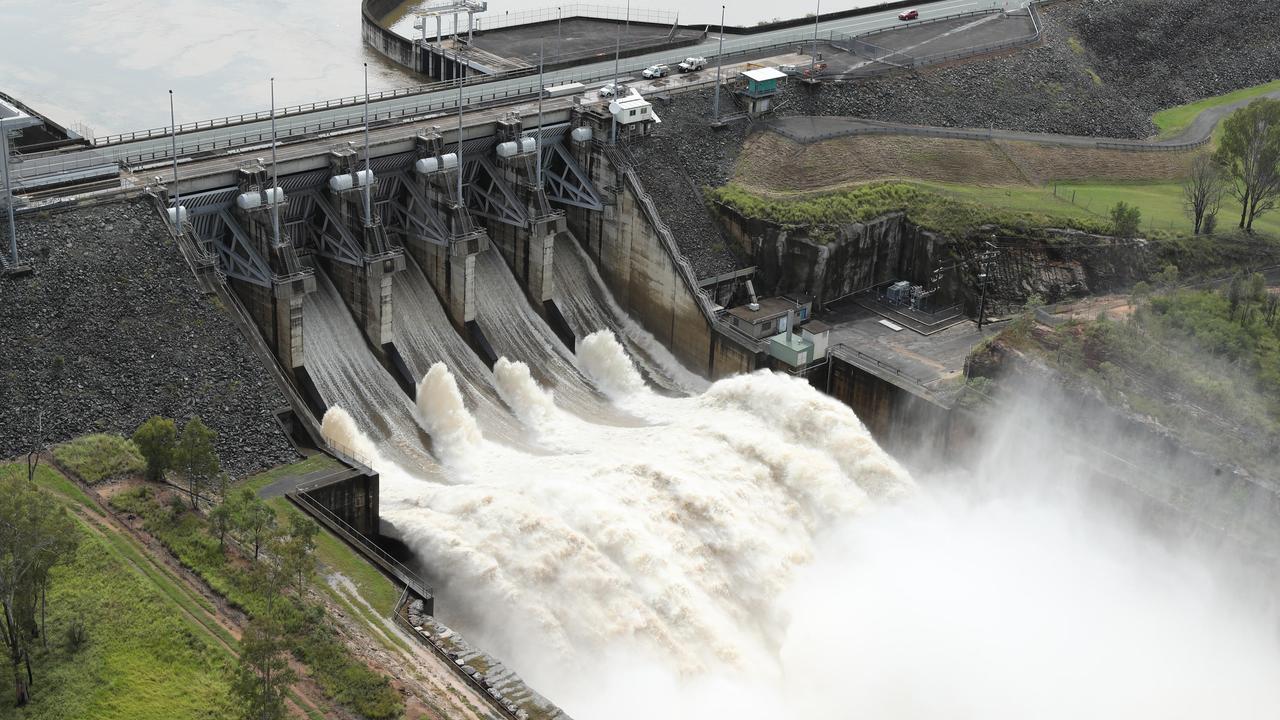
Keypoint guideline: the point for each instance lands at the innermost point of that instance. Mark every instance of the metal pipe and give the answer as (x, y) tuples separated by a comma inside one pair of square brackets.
[(719, 63), (177, 196), (8, 196), (275, 182), (368, 178)]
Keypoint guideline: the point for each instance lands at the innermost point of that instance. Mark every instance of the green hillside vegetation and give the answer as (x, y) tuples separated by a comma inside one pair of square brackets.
[(100, 457), (1203, 362), (143, 657)]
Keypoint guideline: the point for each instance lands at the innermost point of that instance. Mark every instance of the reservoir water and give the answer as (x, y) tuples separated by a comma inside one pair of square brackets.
[(109, 64)]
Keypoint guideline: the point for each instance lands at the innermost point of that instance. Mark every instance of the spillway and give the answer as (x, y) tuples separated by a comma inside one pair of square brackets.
[(425, 336), (588, 306), (518, 333), (347, 375)]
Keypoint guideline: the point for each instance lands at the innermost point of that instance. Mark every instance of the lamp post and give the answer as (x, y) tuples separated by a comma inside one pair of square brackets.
[(177, 195), (817, 13), (368, 171), (8, 195), (275, 181), (461, 202), (541, 91), (719, 63)]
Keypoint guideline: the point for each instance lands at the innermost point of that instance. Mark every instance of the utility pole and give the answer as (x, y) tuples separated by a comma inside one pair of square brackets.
[(177, 196), (368, 171), (984, 279), (275, 182), (719, 63)]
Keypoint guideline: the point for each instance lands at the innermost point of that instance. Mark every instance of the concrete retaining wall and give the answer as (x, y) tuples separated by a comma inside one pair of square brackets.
[(396, 48)]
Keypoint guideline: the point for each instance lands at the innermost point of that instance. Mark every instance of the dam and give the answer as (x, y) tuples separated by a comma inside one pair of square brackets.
[(635, 443)]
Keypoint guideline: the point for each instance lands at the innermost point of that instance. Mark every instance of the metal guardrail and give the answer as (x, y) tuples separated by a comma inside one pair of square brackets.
[(855, 357), (596, 12), (357, 539), (990, 134)]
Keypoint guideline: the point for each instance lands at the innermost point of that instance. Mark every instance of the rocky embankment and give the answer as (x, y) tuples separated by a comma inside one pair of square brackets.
[(112, 329), (1104, 68)]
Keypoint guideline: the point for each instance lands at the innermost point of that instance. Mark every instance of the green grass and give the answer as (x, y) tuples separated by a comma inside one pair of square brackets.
[(319, 461), (1174, 120), (948, 209), (145, 660), (100, 457), (339, 675)]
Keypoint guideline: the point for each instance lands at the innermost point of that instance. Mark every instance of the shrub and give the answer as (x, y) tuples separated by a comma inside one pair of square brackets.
[(100, 457), (77, 636)]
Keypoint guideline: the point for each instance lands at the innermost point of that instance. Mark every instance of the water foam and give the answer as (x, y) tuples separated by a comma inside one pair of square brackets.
[(445, 415), (604, 360), (534, 405), (341, 430)]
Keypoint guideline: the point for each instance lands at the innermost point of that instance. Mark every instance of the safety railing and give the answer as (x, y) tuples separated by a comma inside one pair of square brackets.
[(861, 359), (596, 12)]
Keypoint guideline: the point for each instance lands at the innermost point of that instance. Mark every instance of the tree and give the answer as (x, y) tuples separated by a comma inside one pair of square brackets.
[(294, 550), (1125, 220), (254, 520), (1202, 191), (223, 518), (263, 675), (195, 457), (1249, 153), (1167, 278), (35, 535), (155, 440)]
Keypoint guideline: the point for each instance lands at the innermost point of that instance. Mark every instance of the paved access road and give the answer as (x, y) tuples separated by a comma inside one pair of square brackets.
[(37, 166)]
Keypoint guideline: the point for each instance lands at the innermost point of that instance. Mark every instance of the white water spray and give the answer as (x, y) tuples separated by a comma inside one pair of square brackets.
[(531, 403), (341, 430), (601, 356), (444, 414)]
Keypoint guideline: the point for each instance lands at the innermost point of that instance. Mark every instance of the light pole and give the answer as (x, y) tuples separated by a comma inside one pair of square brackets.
[(368, 171), (177, 195), (817, 13), (8, 196), (275, 181), (542, 90), (461, 202), (559, 21), (719, 63)]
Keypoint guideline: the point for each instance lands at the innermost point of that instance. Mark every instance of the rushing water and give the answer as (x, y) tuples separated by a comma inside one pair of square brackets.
[(109, 64), (749, 551)]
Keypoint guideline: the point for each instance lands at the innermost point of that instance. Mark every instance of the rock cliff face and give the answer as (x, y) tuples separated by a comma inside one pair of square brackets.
[(832, 262), (112, 329)]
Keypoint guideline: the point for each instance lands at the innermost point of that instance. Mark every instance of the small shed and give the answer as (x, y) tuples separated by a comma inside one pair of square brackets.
[(762, 85), (762, 82)]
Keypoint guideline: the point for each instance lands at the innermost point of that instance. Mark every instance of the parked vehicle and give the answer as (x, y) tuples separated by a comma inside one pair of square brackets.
[(691, 64), (656, 71), (612, 89), (912, 14)]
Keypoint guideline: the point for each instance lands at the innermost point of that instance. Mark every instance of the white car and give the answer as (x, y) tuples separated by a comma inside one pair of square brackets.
[(692, 63), (656, 71), (612, 89)]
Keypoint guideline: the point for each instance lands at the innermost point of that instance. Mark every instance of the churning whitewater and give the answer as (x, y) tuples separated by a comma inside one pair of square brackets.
[(751, 552)]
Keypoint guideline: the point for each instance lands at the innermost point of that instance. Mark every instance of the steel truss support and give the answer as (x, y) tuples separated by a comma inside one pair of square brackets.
[(489, 196), (332, 239), (411, 212), (237, 257), (566, 182)]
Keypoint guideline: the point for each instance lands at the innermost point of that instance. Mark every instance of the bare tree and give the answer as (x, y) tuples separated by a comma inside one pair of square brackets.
[(1203, 189), (1250, 154)]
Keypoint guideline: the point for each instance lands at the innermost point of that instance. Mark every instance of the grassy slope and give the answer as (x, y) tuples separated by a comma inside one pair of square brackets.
[(1174, 120), (336, 556), (146, 658)]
